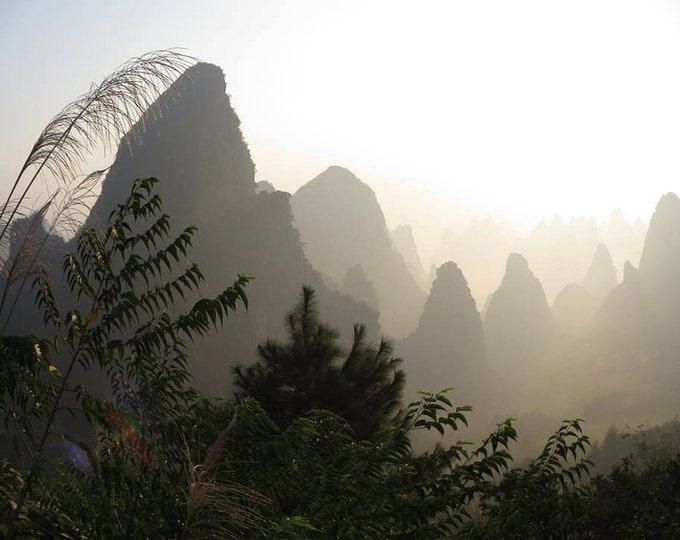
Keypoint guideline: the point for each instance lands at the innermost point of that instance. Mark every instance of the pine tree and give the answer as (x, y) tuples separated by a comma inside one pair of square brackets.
[(311, 371)]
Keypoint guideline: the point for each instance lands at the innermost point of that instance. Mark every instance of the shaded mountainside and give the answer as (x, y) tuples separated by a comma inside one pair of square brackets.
[(626, 368), (560, 251), (644, 311), (341, 225), (481, 251), (402, 238), (660, 261), (517, 322), (660, 274), (621, 324), (357, 285), (447, 348), (600, 279), (206, 174), (574, 309)]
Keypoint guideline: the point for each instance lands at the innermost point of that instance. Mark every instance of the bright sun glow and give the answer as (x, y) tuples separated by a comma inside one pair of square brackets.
[(515, 109)]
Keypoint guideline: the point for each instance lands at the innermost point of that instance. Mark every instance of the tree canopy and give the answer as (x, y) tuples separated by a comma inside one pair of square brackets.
[(312, 371)]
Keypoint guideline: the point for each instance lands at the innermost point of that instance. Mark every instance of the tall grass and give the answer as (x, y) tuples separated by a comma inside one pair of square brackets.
[(217, 507), (99, 117)]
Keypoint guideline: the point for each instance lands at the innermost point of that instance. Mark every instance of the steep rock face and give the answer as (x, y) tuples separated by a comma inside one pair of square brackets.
[(518, 322), (635, 337), (660, 273), (447, 348), (573, 309), (600, 279), (206, 175), (265, 186), (660, 261), (622, 326), (480, 251), (560, 251), (341, 225), (431, 276), (624, 240), (642, 314), (196, 149), (30, 248), (357, 285), (402, 238)]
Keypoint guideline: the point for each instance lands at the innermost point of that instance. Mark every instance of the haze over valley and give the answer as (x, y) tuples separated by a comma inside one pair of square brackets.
[(450, 197), (536, 312)]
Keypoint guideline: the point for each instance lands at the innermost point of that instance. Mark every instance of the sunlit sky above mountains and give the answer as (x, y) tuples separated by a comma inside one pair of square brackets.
[(518, 109)]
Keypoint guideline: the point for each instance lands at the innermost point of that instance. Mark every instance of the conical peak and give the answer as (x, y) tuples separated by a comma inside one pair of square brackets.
[(668, 202), (573, 296), (449, 277), (341, 224), (337, 182), (338, 170), (517, 317), (601, 275), (196, 138), (629, 272), (449, 299), (602, 256), (449, 272), (519, 285), (661, 256), (666, 212), (450, 284), (516, 264), (207, 75), (337, 173), (572, 290)]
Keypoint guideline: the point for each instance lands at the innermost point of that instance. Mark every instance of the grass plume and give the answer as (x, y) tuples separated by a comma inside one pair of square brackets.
[(101, 116), (217, 507)]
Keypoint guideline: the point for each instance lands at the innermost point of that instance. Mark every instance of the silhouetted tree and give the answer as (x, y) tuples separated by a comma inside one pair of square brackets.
[(311, 371)]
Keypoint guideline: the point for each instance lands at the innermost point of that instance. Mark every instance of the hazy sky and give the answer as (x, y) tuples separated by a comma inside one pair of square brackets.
[(518, 109)]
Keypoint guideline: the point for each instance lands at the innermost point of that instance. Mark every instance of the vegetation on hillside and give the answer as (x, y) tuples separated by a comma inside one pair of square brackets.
[(160, 460), (103, 436)]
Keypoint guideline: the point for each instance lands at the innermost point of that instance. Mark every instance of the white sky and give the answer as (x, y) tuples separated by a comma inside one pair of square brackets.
[(518, 109)]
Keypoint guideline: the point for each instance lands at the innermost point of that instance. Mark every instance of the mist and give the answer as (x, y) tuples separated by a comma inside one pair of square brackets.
[(480, 201), (534, 322)]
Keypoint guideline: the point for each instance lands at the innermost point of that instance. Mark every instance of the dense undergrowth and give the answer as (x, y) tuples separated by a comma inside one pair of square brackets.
[(102, 435), (157, 459)]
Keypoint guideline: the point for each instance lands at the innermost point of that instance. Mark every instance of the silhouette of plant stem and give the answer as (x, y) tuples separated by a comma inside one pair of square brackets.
[(101, 116)]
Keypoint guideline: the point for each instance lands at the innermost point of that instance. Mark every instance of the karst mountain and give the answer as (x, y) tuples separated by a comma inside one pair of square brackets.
[(447, 348), (207, 179), (341, 225), (518, 323)]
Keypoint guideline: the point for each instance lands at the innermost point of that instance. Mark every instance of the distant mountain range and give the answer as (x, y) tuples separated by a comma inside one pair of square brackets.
[(207, 179), (559, 251), (607, 350), (341, 225)]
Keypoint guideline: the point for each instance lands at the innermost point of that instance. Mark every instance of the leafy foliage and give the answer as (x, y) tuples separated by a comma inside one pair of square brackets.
[(310, 371), (380, 488), (167, 462), (539, 501), (101, 116), (636, 502), (124, 287)]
